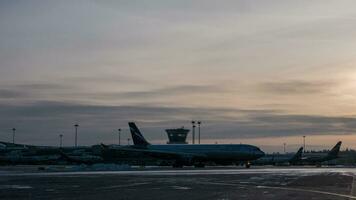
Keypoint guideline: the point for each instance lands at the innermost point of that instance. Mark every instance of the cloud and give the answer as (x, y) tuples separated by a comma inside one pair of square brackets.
[(27, 91), (295, 87), (157, 95), (129, 53), (87, 88), (174, 90), (43, 121), (105, 78), (39, 86), (10, 94)]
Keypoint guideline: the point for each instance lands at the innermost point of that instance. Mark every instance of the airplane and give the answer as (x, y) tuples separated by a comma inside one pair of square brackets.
[(280, 159), (6, 146), (197, 155), (318, 159), (29, 154), (13, 154)]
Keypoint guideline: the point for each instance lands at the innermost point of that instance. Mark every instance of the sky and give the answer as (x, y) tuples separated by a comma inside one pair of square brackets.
[(259, 72)]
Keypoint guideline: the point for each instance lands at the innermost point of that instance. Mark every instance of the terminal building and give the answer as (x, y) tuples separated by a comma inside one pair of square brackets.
[(177, 136)]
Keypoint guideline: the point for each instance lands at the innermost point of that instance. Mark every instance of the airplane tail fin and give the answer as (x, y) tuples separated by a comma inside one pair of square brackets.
[(298, 156), (334, 152), (103, 146), (137, 137)]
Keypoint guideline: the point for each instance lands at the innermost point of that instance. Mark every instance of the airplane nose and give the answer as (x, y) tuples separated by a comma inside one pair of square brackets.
[(260, 154)]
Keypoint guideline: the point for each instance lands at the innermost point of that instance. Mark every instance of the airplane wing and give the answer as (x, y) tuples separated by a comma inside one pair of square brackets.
[(83, 159), (11, 145), (20, 146)]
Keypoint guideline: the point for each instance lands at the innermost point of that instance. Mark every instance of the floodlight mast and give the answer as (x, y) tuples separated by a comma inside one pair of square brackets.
[(76, 134), (193, 132), (13, 135), (119, 136)]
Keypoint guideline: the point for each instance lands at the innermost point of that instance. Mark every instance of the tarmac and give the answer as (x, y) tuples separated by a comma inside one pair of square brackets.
[(28, 182)]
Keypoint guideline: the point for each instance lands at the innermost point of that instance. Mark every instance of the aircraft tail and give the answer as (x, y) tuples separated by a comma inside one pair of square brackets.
[(298, 156), (65, 156), (334, 152), (137, 137)]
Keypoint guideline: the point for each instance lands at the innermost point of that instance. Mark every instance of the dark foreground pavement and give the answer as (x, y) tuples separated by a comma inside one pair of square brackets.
[(181, 184)]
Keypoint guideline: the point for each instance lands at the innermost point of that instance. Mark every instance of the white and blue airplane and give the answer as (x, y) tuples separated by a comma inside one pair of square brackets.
[(197, 154)]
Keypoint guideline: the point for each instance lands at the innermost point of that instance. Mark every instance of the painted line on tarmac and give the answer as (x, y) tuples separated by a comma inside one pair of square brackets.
[(353, 187), (122, 186), (282, 188), (307, 190), (189, 172)]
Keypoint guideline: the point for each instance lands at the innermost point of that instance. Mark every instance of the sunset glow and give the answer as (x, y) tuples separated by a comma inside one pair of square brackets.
[(259, 72)]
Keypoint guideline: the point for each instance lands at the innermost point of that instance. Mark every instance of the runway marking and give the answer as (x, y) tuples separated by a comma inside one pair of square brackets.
[(123, 186), (282, 188), (183, 172), (308, 190), (353, 188)]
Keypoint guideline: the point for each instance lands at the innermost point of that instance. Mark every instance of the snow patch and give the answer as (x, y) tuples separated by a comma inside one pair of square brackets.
[(15, 187), (181, 187)]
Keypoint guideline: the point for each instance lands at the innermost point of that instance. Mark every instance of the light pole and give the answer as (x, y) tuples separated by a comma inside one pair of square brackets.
[(119, 136), (284, 148), (13, 135), (76, 134), (60, 140), (193, 132), (304, 143), (199, 122)]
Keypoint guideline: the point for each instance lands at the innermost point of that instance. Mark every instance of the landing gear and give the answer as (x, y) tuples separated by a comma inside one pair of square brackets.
[(247, 164), (177, 165)]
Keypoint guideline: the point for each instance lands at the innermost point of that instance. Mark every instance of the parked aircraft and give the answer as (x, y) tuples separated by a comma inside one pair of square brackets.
[(318, 159), (177, 155), (29, 154), (6, 146), (280, 159), (197, 155)]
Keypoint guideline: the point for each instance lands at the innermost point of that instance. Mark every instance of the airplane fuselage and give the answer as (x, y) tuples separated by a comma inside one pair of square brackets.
[(213, 152), (273, 159)]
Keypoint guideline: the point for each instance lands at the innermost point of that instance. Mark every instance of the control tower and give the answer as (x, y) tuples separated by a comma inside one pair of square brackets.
[(177, 136)]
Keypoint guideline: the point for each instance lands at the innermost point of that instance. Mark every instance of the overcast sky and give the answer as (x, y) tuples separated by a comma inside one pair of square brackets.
[(261, 72)]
